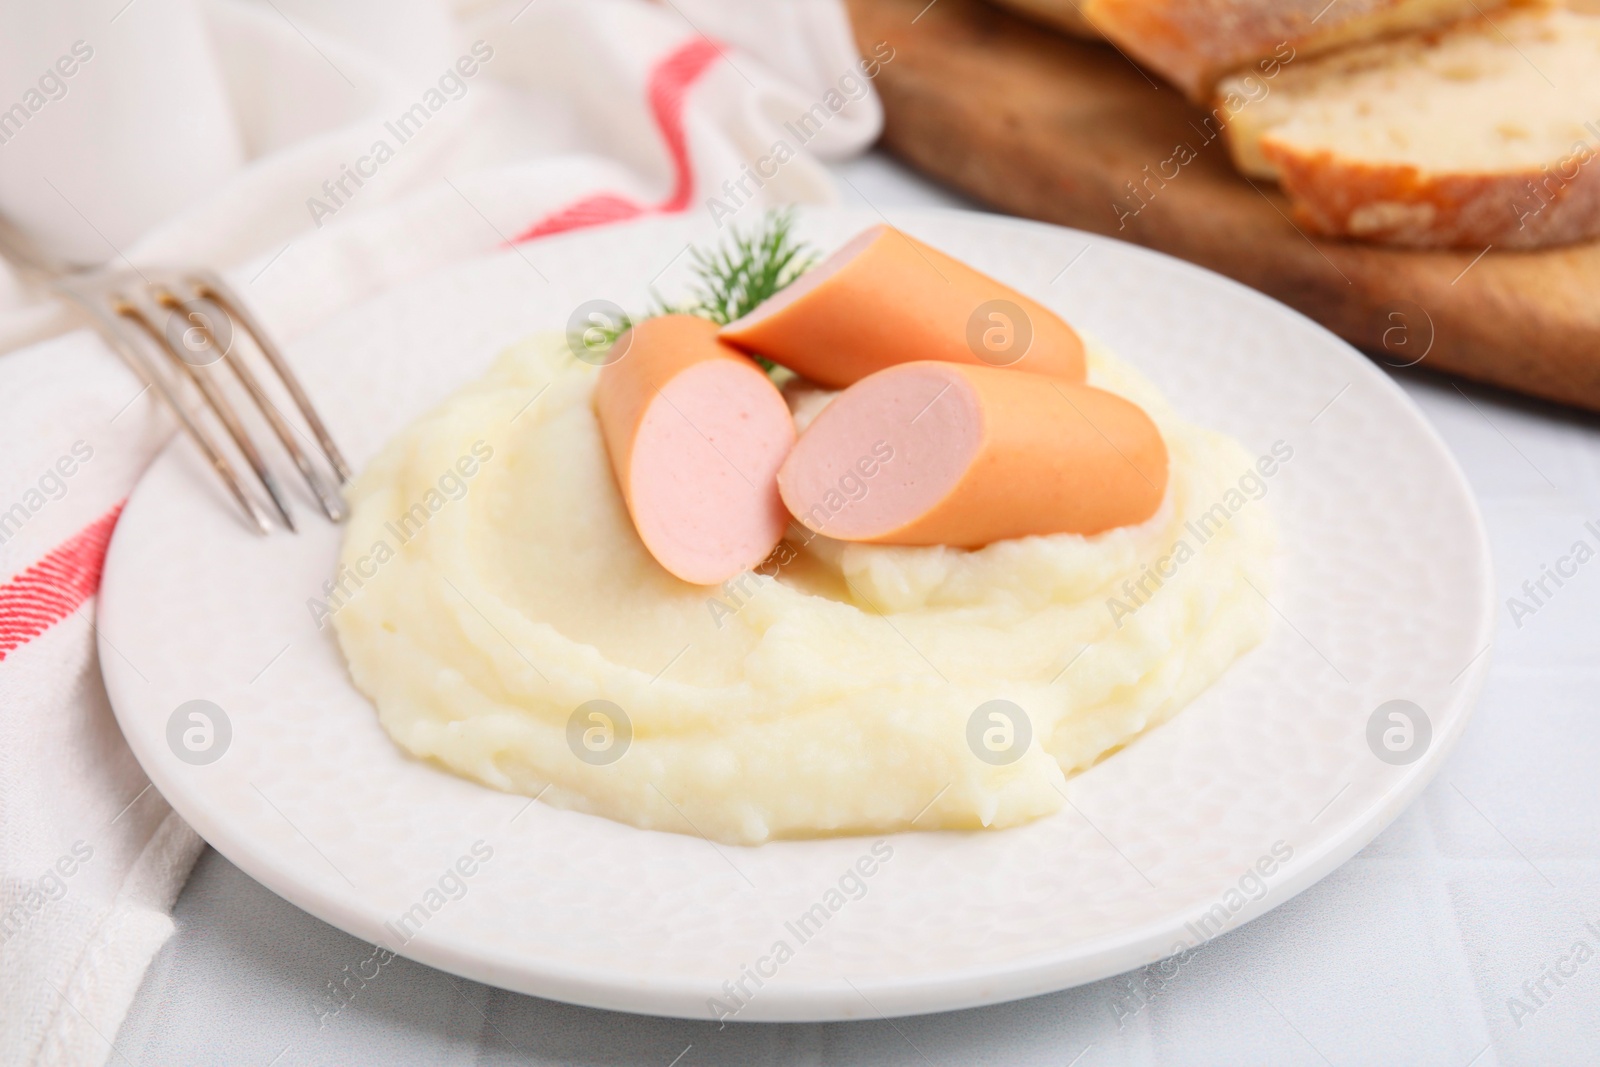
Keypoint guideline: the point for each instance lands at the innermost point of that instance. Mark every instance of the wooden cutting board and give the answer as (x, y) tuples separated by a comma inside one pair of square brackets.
[(1042, 125)]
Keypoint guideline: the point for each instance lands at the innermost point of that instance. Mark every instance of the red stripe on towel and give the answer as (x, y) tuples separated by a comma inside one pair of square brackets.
[(669, 83), (54, 587)]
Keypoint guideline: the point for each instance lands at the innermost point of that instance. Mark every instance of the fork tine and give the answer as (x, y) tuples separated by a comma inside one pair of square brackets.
[(111, 330), (210, 284), (217, 401), (332, 505)]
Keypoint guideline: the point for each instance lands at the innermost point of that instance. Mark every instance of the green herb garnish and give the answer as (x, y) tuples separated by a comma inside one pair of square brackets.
[(730, 281), (601, 333), (737, 278)]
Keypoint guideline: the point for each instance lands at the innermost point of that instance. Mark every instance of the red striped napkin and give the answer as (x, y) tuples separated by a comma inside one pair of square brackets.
[(512, 123)]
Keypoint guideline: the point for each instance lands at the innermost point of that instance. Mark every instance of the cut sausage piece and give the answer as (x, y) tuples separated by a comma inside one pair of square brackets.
[(943, 454), (886, 298), (696, 433)]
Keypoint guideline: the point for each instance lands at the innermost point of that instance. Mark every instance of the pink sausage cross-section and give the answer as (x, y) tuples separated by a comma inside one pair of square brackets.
[(696, 433), (932, 453)]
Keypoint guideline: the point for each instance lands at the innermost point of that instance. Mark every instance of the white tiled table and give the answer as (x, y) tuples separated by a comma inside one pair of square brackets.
[(1406, 955)]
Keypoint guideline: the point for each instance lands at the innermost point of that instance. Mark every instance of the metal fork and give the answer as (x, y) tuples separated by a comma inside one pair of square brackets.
[(193, 317)]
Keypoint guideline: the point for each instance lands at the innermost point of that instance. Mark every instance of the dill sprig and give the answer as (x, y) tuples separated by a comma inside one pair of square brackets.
[(736, 278), (600, 334), (730, 282)]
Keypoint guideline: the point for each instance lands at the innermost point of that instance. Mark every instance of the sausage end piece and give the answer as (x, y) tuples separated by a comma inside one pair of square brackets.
[(696, 434)]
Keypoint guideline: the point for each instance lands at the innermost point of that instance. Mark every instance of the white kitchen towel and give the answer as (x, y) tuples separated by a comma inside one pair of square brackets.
[(317, 152)]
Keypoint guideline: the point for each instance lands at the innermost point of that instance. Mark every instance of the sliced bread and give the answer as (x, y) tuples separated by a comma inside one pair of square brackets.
[(1487, 132), (1194, 43)]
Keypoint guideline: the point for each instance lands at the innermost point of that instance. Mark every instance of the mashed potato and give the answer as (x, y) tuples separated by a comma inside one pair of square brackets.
[(492, 589)]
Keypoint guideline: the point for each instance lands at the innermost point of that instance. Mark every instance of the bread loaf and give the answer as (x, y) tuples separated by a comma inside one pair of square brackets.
[(1486, 132), (1194, 43)]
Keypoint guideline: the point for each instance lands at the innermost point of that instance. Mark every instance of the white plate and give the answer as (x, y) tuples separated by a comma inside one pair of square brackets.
[(1385, 594)]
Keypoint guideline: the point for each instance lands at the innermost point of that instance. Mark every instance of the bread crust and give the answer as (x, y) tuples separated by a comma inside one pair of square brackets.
[(1401, 206), (1194, 43)]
